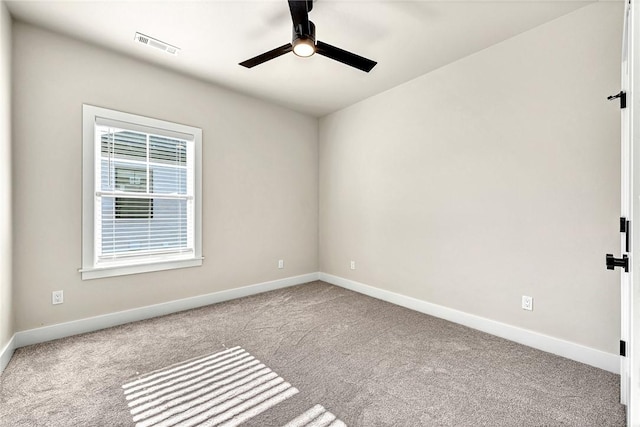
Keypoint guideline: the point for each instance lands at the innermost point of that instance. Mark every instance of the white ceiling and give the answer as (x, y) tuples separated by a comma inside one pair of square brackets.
[(407, 38)]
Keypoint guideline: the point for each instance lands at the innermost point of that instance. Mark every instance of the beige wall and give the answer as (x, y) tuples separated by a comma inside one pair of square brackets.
[(260, 179), (6, 303), (494, 177)]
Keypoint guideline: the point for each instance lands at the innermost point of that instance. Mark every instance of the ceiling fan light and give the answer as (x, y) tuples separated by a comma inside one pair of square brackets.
[(304, 47)]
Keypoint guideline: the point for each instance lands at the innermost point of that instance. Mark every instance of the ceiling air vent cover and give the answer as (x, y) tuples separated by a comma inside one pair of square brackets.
[(150, 41)]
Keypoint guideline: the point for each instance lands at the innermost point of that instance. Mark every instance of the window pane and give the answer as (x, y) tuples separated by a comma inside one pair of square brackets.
[(168, 180), (123, 144), (131, 178), (165, 229), (167, 150), (126, 207)]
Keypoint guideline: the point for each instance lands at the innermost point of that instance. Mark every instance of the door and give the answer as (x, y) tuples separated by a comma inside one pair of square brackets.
[(626, 210), (631, 124), (626, 201)]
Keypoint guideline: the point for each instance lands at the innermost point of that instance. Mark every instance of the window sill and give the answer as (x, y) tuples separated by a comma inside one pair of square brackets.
[(121, 270)]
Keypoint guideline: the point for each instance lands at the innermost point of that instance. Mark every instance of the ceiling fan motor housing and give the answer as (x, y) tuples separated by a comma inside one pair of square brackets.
[(304, 40)]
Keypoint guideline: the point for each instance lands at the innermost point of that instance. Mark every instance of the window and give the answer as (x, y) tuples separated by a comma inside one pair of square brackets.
[(141, 194)]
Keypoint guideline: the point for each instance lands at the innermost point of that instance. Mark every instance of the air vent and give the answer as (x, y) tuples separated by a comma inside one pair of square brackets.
[(150, 41)]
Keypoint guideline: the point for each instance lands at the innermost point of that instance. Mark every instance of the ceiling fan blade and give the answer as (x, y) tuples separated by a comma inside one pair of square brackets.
[(267, 56), (345, 57), (300, 15)]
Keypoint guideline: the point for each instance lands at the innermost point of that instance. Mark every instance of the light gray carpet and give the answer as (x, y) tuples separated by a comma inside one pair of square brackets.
[(368, 362), (226, 388)]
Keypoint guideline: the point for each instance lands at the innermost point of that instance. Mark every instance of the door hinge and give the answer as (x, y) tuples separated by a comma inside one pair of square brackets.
[(623, 348), (623, 98), (625, 227)]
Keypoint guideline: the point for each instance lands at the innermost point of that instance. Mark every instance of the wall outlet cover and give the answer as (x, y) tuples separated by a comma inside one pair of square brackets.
[(57, 297)]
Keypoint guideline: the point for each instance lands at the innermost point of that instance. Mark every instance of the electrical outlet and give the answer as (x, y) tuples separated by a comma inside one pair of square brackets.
[(353, 265), (57, 297), (527, 303), (280, 263)]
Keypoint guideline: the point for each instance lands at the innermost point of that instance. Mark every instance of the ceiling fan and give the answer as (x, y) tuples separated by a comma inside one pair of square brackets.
[(304, 42)]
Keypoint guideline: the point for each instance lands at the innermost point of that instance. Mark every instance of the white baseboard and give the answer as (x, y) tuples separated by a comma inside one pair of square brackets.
[(580, 353), (7, 352), (61, 330), (599, 359)]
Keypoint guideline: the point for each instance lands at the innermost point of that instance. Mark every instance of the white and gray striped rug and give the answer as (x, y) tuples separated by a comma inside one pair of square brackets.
[(222, 389)]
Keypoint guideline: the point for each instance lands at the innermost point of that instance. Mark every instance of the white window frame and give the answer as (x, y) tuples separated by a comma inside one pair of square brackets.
[(90, 268)]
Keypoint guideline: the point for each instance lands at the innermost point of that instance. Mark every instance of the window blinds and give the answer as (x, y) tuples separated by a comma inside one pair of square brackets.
[(144, 194)]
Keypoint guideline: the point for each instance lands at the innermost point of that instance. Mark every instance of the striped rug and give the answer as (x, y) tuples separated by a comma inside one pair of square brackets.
[(222, 389)]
